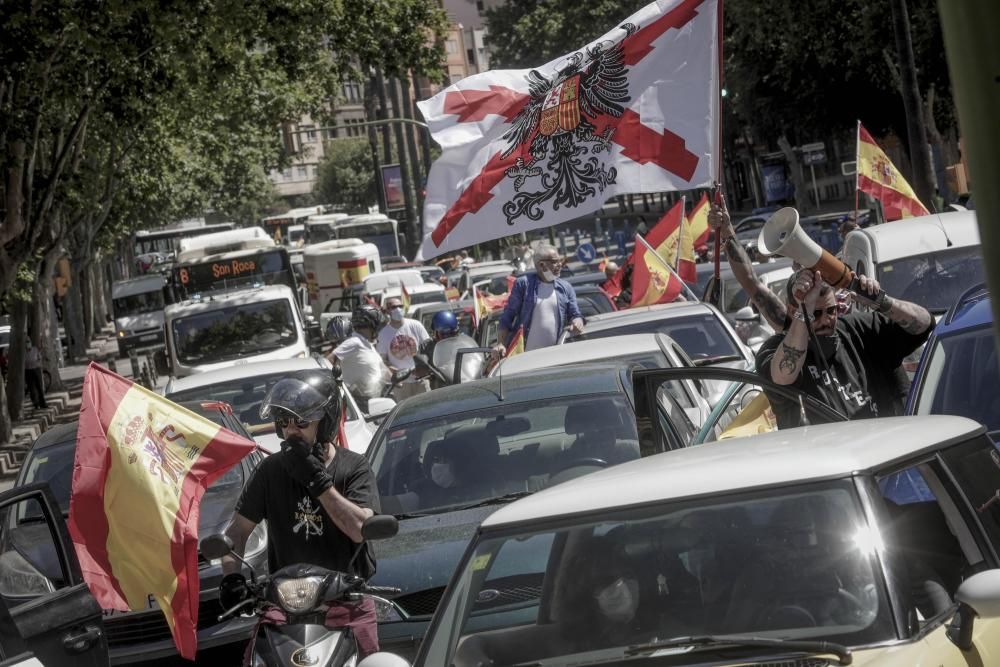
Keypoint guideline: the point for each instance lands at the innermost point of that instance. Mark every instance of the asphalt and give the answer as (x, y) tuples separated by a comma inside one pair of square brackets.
[(63, 406)]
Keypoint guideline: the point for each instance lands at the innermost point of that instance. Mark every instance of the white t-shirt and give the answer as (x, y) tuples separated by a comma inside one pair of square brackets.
[(364, 373), (544, 318), (399, 345)]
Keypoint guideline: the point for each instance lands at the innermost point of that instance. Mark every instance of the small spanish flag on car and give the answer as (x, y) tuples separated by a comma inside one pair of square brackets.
[(142, 465), (404, 296), (516, 343)]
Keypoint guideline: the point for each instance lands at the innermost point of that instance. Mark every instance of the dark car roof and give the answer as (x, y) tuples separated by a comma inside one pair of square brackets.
[(972, 310), (539, 385)]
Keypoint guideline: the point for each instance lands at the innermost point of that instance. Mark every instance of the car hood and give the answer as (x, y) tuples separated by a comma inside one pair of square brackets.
[(426, 551), (33, 541)]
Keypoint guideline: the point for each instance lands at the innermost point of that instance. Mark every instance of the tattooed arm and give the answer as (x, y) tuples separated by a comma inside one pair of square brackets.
[(767, 302), (913, 318), (788, 359)]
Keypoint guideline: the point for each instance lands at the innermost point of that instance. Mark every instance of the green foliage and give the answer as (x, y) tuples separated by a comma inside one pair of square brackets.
[(347, 175)]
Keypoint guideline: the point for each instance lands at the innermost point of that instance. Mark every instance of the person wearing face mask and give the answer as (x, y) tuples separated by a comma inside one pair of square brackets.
[(398, 341), (850, 363), (540, 303)]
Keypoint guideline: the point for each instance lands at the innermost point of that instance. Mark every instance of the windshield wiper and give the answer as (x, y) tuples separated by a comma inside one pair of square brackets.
[(497, 500), (812, 647), (716, 360)]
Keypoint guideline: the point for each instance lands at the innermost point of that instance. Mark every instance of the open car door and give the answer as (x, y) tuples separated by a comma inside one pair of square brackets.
[(743, 407), (47, 618)]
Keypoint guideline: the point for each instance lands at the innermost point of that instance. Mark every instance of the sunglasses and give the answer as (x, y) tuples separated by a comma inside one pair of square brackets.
[(283, 422), (550, 262), (829, 310)]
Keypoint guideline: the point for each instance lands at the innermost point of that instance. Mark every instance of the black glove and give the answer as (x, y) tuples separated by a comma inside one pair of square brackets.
[(233, 590), (304, 466)]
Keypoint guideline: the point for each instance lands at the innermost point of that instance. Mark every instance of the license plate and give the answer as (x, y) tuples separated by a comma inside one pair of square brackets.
[(151, 605), (148, 337)]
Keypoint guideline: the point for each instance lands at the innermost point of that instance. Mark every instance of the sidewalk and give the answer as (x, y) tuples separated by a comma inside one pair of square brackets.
[(63, 406)]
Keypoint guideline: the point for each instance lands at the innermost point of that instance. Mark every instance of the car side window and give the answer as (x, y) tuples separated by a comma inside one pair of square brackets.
[(928, 536), (26, 573), (975, 465)]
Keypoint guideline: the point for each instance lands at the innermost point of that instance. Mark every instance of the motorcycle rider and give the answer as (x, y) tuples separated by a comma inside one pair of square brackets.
[(364, 372), (314, 495), (444, 325), (338, 330)]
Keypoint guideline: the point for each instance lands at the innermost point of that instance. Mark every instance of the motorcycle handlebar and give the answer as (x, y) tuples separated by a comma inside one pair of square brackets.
[(382, 590), (235, 608)]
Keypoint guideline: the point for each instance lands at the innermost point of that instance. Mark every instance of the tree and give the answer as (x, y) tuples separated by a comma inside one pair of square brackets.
[(347, 174)]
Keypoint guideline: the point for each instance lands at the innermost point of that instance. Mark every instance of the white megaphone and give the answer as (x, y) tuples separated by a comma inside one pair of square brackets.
[(782, 235)]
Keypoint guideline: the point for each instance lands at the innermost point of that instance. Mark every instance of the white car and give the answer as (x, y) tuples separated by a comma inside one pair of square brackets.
[(644, 350), (872, 541), (244, 387)]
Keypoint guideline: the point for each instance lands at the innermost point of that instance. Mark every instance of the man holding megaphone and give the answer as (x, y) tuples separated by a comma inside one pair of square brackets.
[(847, 361)]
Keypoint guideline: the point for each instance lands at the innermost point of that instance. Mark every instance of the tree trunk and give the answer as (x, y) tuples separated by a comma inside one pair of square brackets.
[(45, 318), (15, 357), (86, 301), (923, 174), (99, 294), (73, 316), (802, 199), (6, 426)]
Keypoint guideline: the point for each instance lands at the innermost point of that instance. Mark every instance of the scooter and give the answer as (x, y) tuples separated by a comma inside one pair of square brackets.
[(304, 592), (454, 360)]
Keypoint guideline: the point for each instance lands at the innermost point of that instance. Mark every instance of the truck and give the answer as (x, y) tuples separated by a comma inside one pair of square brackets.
[(333, 266)]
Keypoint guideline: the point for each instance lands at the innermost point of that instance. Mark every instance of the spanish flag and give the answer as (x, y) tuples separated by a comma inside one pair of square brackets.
[(878, 176), (757, 417), (404, 296), (700, 231), (652, 280), (142, 465), (479, 308), (516, 343), (685, 265)]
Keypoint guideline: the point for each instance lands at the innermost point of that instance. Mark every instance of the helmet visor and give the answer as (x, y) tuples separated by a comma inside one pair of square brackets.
[(295, 397)]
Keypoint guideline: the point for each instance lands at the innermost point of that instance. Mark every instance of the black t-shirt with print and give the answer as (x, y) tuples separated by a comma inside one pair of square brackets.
[(864, 368), (299, 529)]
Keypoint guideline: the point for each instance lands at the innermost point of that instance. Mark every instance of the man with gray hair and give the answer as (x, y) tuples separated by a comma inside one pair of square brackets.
[(541, 304)]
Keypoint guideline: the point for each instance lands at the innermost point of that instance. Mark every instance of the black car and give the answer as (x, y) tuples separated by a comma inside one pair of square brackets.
[(505, 438), (32, 564)]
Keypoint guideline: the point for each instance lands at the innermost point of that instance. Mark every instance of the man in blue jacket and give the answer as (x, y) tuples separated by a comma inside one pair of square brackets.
[(541, 304)]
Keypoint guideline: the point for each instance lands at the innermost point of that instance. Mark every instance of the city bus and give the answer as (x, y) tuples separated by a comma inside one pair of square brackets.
[(277, 225), (320, 228), (374, 228), (155, 248), (229, 260)]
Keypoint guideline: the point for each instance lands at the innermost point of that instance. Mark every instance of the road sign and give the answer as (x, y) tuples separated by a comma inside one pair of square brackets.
[(849, 168), (586, 253), (814, 157), (812, 148)]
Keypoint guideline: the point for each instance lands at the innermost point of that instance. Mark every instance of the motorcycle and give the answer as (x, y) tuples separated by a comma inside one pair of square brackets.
[(453, 360), (304, 593)]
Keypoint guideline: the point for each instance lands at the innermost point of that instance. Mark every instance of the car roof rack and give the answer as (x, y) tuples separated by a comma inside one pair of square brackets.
[(975, 293)]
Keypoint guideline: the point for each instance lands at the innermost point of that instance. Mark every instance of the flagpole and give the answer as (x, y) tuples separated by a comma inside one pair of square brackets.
[(857, 164), (687, 290)]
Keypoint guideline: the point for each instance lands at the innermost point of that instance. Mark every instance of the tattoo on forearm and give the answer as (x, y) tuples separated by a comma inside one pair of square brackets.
[(771, 307), (735, 251), (789, 359), (912, 318)]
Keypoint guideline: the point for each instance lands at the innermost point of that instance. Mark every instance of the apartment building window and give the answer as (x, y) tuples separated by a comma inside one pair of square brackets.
[(302, 171), (286, 174), (479, 6), (352, 92), (309, 131), (451, 46)]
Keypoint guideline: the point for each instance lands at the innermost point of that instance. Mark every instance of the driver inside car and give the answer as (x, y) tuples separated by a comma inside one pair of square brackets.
[(596, 425)]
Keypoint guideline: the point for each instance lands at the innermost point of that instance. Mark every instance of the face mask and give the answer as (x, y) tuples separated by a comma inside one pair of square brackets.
[(442, 475), (396, 314), (547, 275), (828, 345), (618, 601)]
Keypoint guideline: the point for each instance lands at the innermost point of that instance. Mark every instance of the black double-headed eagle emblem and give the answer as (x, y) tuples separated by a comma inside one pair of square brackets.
[(556, 130)]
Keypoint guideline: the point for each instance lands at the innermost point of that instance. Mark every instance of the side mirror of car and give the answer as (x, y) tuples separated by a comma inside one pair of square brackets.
[(216, 546), (380, 407), (979, 595), (314, 334), (380, 527)]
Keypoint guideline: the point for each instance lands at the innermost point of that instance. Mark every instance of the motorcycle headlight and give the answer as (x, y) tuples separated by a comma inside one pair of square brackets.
[(19, 578), (298, 595), (256, 543), (386, 613)]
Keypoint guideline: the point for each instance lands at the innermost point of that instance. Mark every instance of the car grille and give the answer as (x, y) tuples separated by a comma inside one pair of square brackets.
[(421, 603), (152, 627)]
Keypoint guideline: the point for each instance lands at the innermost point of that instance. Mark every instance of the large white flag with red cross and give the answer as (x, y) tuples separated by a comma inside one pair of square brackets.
[(634, 111)]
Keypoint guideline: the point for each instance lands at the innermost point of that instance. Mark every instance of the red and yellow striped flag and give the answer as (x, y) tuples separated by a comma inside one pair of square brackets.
[(516, 343), (698, 220), (652, 280), (404, 296), (479, 308), (878, 176), (142, 465)]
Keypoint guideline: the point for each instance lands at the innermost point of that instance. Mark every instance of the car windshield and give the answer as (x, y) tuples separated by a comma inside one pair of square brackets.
[(962, 378), (793, 563), (934, 280), (234, 332), (701, 336), (55, 465), (245, 395), (133, 304), (459, 460)]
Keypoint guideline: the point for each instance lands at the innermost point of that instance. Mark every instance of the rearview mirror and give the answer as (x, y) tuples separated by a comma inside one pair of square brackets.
[(216, 546), (380, 527), (380, 406)]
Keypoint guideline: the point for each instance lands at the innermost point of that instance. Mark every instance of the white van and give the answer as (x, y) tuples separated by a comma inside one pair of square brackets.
[(333, 266), (930, 260), (138, 312), (419, 295), (378, 282), (225, 329)]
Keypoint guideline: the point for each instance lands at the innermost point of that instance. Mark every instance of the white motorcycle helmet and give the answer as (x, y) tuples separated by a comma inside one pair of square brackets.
[(383, 660)]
